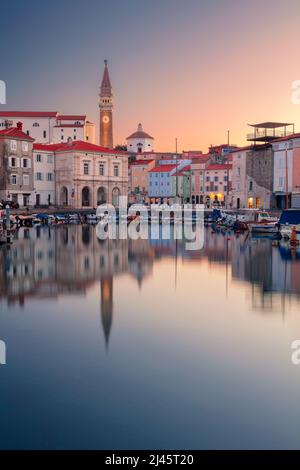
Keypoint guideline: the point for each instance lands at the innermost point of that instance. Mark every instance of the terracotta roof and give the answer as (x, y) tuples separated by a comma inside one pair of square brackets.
[(139, 134), (201, 158), (46, 147), (13, 132), (287, 137), (141, 162), (219, 167), (28, 113), (78, 146), (163, 169)]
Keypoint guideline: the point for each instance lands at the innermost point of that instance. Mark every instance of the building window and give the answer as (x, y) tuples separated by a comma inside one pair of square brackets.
[(25, 163), (26, 180), (13, 145), (101, 169), (225, 178), (25, 146), (250, 185), (207, 178), (36, 124), (85, 168), (13, 162), (49, 158), (116, 170), (13, 179), (39, 176), (50, 177), (39, 158), (44, 134), (216, 178)]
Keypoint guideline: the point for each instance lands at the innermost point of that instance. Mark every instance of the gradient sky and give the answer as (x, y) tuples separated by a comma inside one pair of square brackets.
[(185, 68)]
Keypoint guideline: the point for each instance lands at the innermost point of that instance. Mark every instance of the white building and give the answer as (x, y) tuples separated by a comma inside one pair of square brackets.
[(50, 127), (86, 175), (140, 141), (43, 174)]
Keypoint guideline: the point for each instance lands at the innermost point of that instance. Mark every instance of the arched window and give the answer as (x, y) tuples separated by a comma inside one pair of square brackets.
[(101, 196), (85, 197)]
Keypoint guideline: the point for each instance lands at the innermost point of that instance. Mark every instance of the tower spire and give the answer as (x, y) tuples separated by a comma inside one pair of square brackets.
[(105, 89), (106, 109)]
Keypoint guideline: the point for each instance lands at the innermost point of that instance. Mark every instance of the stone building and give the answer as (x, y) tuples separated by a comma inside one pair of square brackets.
[(252, 177), (16, 166), (87, 175), (49, 127)]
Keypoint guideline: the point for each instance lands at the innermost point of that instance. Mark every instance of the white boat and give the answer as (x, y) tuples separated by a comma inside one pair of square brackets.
[(264, 227)]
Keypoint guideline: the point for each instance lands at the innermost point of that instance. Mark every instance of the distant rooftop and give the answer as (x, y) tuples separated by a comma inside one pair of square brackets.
[(271, 125), (269, 130)]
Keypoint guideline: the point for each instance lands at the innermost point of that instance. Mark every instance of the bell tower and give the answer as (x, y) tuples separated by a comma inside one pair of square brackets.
[(106, 110)]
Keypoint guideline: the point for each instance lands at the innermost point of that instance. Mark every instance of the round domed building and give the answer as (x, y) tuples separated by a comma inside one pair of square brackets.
[(140, 141)]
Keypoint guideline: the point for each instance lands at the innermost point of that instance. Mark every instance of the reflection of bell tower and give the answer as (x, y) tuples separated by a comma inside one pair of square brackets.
[(107, 306), (106, 110)]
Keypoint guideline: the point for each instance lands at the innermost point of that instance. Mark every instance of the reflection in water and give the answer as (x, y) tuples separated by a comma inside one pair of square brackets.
[(180, 361), (45, 262)]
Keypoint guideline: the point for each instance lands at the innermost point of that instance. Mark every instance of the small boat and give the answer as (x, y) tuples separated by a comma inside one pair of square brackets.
[(264, 227)]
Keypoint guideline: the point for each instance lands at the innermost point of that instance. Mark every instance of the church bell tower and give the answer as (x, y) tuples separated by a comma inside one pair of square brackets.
[(106, 110)]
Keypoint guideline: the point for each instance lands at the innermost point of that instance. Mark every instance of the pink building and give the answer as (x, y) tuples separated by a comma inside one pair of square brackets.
[(138, 180)]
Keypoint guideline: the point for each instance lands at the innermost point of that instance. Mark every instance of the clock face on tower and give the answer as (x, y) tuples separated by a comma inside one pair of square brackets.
[(105, 119)]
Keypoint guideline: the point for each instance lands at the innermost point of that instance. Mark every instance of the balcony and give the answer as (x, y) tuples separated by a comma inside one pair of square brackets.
[(268, 131)]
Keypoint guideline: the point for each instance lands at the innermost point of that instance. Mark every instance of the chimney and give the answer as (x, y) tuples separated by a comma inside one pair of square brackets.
[(8, 123), (20, 126)]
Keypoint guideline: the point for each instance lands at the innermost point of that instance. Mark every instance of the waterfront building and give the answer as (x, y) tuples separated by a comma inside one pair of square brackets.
[(252, 177), (198, 165), (162, 187), (49, 126), (87, 175), (286, 179), (253, 166), (138, 180), (16, 166), (44, 174), (217, 184), (181, 180), (106, 106), (140, 141)]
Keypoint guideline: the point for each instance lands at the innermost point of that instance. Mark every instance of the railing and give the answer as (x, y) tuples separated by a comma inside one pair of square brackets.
[(261, 133)]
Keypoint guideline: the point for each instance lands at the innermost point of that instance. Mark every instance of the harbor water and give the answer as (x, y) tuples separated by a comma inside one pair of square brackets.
[(140, 344)]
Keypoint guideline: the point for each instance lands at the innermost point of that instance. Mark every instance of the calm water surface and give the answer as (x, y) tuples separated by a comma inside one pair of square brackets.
[(141, 344)]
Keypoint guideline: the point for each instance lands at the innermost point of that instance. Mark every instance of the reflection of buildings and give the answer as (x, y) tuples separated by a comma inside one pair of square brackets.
[(45, 263)]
